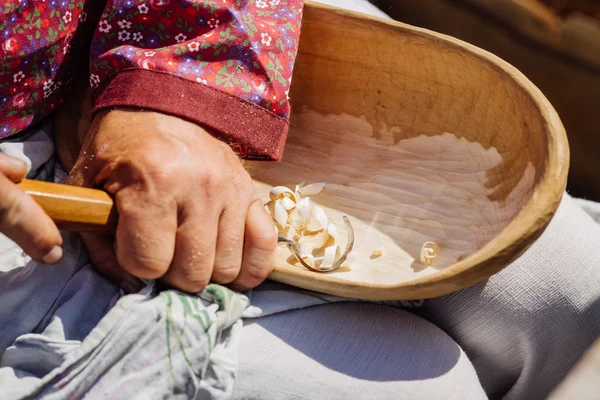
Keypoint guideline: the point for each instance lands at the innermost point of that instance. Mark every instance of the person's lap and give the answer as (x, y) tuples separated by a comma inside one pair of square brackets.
[(526, 326), (353, 336), (351, 351)]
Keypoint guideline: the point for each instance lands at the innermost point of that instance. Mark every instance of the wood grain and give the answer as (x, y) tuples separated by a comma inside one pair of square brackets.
[(74, 208), (420, 137)]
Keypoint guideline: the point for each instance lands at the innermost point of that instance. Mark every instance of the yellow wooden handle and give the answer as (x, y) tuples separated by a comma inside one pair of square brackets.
[(74, 208)]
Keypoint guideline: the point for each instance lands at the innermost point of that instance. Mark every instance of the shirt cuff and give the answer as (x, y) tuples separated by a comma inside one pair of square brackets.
[(253, 131)]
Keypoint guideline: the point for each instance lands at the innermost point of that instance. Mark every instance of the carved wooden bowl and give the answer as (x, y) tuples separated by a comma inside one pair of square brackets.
[(419, 137)]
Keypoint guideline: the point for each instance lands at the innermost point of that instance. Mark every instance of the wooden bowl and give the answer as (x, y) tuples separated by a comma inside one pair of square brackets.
[(420, 137)]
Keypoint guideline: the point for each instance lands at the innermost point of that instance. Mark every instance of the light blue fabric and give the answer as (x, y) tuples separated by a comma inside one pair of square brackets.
[(272, 298), (62, 336), (149, 345)]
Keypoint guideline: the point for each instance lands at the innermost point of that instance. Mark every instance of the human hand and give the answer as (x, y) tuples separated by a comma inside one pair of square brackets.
[(188, 212), (22, 219)]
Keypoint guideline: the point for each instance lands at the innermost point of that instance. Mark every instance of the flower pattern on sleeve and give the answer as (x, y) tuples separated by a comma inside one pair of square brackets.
[(35, 43), (245, 48)]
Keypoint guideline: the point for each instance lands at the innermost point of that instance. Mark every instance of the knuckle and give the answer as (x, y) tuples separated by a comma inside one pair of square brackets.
[(149, 160), (162, 178), (164, 174), (212, 181), (128, 211), (160, 170)]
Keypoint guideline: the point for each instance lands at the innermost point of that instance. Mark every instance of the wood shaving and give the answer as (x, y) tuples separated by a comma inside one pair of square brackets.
[(429, 252), (305, 227), (377, 253)]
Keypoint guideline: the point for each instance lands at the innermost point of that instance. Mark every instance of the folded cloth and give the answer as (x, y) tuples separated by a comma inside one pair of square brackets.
[(149, 345)]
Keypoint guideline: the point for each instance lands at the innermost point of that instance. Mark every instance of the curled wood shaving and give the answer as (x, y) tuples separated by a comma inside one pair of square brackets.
[(305, 228), (429, 251), (279, 192), (338, 263), (312, 189), (288, 204)]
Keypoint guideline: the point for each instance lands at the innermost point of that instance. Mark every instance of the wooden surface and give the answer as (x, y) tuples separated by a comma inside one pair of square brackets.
[(420, 137), (570, 82), (582, 382)]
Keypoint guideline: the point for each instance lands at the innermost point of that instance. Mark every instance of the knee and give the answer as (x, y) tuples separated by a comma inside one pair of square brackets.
[(358, 347)]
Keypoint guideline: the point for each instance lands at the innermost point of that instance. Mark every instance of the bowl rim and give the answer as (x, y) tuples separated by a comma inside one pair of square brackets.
[(509, 243)]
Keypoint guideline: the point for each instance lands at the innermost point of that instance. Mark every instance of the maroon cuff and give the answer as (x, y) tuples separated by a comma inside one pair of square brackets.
[(259, 133)]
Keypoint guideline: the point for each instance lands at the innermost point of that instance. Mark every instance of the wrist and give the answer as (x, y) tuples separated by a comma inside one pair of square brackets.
[(128, 121)]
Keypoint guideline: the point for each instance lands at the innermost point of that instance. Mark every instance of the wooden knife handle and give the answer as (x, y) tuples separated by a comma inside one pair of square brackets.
[(74, 208)]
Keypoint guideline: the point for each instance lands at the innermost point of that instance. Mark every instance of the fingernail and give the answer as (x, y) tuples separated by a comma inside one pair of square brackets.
[(53, 255), (16, 162)]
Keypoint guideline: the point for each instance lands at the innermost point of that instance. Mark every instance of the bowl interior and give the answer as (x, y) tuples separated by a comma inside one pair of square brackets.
[(417, 139)]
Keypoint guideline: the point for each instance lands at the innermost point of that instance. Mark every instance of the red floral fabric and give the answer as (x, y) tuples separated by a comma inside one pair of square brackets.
[(243, 49)]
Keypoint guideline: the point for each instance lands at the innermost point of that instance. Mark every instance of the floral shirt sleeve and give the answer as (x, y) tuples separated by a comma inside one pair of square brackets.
[(224, 64)]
